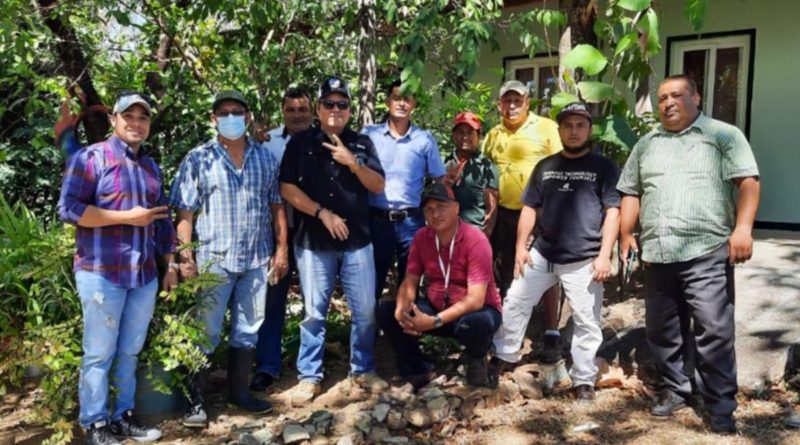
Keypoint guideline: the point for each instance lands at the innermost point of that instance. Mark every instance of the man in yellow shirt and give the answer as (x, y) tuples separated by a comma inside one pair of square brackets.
[(516, 146)]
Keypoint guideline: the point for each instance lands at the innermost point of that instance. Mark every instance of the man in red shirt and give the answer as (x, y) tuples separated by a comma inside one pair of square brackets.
[(462, 300)]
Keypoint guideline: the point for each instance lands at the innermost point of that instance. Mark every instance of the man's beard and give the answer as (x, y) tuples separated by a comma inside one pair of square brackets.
[(575, 150)]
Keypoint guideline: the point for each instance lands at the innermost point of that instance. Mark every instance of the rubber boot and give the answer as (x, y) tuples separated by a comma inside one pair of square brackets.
[(196, 416), (239, 363)]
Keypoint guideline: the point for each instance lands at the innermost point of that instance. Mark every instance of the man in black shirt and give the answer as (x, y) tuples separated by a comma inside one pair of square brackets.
[(326, 175), (572, 199)]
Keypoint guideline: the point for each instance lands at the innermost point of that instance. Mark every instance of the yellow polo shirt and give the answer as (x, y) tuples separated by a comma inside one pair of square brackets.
[(516, 154)]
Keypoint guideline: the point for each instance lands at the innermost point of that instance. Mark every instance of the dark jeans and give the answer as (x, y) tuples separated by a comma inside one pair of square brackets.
[(268, 348), (474, 330), (701, 291), (390, 239), (504, 241)]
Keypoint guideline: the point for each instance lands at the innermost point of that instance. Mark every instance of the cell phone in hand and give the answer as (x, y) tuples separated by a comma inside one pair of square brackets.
[(272, 276), (629, 266)]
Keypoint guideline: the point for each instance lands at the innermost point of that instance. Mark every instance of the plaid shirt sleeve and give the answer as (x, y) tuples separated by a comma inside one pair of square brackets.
[(185, 191), (78, 186), (274, 193)]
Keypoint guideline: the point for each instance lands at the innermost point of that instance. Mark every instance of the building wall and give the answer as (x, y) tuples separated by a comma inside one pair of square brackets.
[(776, 93)]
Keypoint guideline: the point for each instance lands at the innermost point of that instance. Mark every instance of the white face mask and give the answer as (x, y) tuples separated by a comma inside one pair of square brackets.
[(231, 127)]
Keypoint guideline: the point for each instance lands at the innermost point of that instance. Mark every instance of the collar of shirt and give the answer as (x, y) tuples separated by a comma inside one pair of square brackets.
[(412, 131), (701, 124), (119, 146), (215, 144), (532, 118)]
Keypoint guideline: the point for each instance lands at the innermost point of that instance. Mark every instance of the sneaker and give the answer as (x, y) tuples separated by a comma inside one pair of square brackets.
[(195, 417), (477, 371), (304, 392), (370, 382), (552, 349), (261, 381), (128, 428), (98, 433), (668, 402), (584, 393), (722, 424)]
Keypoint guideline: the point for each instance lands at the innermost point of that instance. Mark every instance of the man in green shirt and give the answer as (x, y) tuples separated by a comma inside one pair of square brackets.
[(472, 176), (679, 182)]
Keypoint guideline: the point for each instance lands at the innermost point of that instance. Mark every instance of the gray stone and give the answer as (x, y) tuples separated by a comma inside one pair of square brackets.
[(363, 422), (554, 376), (419, 417), (396, 440), (294, 433), (320, 440), (322, 421), (253, 425), (431, 392), (377, 434), (350, 439), (509, 390), (395, 420), (380, 411), (439, 408)]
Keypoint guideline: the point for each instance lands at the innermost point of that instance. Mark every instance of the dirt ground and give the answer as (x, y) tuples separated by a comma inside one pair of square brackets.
[(618, 416)]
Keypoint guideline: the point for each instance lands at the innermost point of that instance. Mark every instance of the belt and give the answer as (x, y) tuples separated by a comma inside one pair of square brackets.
[(393, 215)]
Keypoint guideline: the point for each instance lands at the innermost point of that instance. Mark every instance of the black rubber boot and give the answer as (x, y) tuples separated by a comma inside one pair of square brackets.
[(239, 363), (196, 416)]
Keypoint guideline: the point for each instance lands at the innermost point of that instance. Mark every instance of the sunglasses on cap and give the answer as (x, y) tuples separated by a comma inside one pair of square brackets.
[(340, 104), (144, 96)]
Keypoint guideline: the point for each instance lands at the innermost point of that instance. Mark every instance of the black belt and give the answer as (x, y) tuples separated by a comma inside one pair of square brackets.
[(393, 215)]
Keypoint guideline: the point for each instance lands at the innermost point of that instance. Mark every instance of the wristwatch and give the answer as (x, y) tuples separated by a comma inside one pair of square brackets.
[(357, 166), (437, 321), (318, 211)]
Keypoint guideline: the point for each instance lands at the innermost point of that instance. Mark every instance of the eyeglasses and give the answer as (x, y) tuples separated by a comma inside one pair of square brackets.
[(229, 113), (340, 104)]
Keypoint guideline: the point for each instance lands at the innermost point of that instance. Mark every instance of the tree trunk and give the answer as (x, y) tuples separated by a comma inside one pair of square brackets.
[(366, 61), (74, 65), (581, 15)]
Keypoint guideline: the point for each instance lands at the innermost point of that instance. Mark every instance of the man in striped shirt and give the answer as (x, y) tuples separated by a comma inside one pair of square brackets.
[(226, 192), (113, 193), (680, 181)]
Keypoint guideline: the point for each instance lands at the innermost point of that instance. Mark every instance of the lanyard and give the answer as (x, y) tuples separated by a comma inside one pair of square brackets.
[(446, 271)]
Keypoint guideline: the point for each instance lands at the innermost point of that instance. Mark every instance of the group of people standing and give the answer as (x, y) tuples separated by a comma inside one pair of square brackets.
[(492, 230)]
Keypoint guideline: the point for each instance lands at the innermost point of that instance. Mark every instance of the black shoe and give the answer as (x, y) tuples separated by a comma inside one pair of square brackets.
[(261, 381), (239, 363), (128, 428), (195, 417), (584, 393), (477, 371), (668, 402), (420, 380), (99, 434), (552, 349), (722, 424)]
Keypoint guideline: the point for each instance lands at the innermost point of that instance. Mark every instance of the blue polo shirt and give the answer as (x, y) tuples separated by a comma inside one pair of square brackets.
[(407, 161)]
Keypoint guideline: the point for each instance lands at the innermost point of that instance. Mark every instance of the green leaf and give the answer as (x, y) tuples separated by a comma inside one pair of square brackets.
[(595, 92), (634, 5), (615, 130), (695, 12), (587, 57), (559, 101), (625, 42), (650, 25)]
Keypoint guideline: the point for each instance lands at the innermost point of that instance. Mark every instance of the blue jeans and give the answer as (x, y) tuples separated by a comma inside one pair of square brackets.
[(391, 238), (246, 293), (115, 322), (474, 330), (318, 270)]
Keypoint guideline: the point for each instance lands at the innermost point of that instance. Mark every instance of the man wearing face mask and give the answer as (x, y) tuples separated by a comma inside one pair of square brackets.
[(327, 174), (297, 116), (226, 192), (516, 146)]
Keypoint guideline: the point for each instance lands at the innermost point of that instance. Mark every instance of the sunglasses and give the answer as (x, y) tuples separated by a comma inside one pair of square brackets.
[(340, 104), (230, 113), (126, 93)]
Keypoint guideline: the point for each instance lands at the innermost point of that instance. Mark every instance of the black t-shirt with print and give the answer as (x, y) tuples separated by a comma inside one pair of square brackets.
[(570, 196)]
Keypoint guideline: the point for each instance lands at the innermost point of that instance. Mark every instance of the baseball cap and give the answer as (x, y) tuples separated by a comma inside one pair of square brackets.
[(128, 99), (439, 192), (469, 118), (514, 85), (233, 95), (575, 108), (331, 85)]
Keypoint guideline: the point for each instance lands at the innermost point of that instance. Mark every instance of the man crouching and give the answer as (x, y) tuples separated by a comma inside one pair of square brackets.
[(462, 299)]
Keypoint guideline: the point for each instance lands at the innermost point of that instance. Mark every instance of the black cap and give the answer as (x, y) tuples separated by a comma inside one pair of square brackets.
[(233, 95), (576, 108), (331, 85), (439, 192)]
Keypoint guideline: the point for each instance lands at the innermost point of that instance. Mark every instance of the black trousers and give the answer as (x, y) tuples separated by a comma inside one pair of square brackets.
[(504, 242), (701, 291)]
